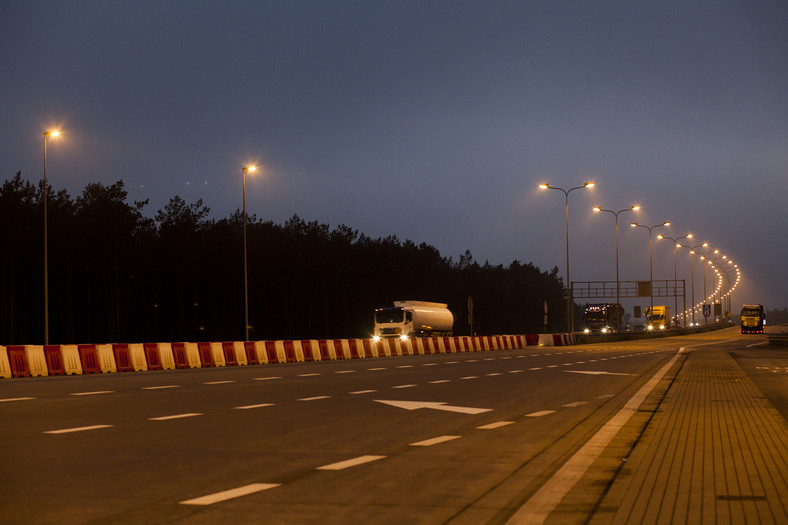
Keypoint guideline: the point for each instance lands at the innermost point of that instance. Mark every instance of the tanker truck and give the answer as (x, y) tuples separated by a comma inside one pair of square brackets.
[(408, 319)]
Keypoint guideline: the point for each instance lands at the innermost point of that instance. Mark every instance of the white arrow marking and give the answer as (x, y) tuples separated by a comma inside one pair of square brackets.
[(596, 373), (415, 405)]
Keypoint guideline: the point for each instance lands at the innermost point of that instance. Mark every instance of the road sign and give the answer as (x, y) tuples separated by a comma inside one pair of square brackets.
[(706, 310)]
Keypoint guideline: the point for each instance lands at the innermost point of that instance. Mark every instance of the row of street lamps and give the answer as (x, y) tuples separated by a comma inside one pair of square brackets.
[(676, 245)]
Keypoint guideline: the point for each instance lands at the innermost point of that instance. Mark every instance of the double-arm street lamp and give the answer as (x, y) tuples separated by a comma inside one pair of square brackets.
[(650, 259), (246, 284), (46, 258), (615, 214), (703, 256), (676, 245), (569, 300)]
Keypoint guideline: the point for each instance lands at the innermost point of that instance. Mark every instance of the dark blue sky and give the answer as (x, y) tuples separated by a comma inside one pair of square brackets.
[(432, 121)]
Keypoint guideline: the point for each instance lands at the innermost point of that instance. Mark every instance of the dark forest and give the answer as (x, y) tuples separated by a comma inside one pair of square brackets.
[(116, 275)]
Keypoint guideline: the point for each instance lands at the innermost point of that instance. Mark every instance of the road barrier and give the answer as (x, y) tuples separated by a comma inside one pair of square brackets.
[(37, 361)]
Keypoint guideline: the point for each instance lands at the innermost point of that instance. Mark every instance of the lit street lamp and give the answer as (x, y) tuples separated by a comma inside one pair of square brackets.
[(650, 259), (676, 245), (246, 283), (46, 258), (569, 300), (615, 214)]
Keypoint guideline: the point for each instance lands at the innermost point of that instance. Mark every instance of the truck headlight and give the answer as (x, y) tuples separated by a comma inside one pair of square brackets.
[(376, 338), (403, 337), (586, 331)]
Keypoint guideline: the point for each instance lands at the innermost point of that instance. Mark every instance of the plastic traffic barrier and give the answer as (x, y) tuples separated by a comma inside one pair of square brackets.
[(5, 366)]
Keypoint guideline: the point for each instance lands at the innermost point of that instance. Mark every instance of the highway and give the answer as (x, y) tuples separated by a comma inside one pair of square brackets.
[(458, 438)]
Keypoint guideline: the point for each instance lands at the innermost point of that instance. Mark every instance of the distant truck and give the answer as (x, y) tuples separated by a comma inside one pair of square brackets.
[(408, 319), (657, 317), (752, 319), (602, 318)]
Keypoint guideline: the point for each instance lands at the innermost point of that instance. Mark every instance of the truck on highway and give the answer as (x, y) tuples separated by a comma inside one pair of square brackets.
[(657, 317), (752, 319), (408, 319), (602, 318)]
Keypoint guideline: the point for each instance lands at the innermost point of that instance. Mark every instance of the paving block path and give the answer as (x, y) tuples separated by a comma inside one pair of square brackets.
[(715, 452)]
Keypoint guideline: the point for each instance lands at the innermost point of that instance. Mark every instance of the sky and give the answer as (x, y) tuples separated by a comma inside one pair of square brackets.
[(434, 121)]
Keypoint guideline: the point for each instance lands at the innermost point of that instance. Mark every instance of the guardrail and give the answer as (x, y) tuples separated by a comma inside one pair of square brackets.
[(777, 339)]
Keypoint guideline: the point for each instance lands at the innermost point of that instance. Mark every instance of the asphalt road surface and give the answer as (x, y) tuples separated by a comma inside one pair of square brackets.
[(459, 438)]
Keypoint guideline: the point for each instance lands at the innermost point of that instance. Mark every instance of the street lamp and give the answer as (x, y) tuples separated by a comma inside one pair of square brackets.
[(675, 273), (615, 214), (569, 300), (46, 258), (650, 259), (703, 258), (692, 273), (246, 283)]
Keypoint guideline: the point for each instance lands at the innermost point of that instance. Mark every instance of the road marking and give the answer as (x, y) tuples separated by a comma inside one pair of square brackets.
[(597, 373), (605, 396), (266, 378), (540, 413), (415, 405), (218, 497), (515, 371), (451, 362), (440, 381), (497, 424), (342, 465), (308, 375), (552, 366), (315, 398), (363, 392), (174, 416), (345, 372), (434, 441), (403, 386), (507, 357), (430, 364), (404, 366), (472, 361), (494, 374), (247, 407), (376, 369), (535, 368), (76, 429), (97, 392), (218, 382), (159, 387), (546, 499), (575, 404), (470, 377), (16, 399)]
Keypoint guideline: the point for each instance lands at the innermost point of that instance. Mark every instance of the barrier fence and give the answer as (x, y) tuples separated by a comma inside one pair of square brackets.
[(50, 360)]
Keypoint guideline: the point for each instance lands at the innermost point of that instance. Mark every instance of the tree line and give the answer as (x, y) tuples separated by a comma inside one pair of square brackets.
[(116, 275)]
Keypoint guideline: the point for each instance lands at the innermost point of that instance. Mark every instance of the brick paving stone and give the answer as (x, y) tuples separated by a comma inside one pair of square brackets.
[(715, 452)]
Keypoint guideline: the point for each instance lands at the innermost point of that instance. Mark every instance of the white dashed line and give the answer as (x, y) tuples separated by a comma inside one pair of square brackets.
[(159, 387), (362, 392), (434, 441), (218, 382), (430, 364), (403, 386), (315, 398), (494, 374), (440, 381), (308, 375), (575, 404), (76, 429), (376, 369), (470, 377), (540, 413), (174, 416), (218, 497), (345, 372), (342, 465), (266, 378), (515, 371), (405, 366), (16, 399), (497, 424), (535, 368), (98, 392), (261, 405)]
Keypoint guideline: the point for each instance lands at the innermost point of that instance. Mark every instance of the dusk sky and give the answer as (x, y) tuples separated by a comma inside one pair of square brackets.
[(430, 120)]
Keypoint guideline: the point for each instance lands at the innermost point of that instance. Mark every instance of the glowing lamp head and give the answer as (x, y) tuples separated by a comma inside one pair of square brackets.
[(544, 186), (635, 207), (597, 208), (588, 185)]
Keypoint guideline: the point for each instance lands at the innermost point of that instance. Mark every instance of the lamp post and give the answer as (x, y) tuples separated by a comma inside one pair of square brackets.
[(569, 300), (634, 207), (675, 272), (46, 247), (692, 274), (650, 259), (246, 283), (703, 258)]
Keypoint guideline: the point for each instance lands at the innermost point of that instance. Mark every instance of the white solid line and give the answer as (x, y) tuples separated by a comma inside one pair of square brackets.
[(255, 406), (266, 378), (159, 387), (540, 505), (342, 465), (315, 398), (174, 416), (497, 424), (92, 393), (434, 441), (16, 399), (362, 392), (210, 499), (540, 413), (76, 429), (218, 382), (403, 386)]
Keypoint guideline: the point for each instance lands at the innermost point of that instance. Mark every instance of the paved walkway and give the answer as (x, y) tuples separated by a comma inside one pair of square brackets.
[(716, 451)]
